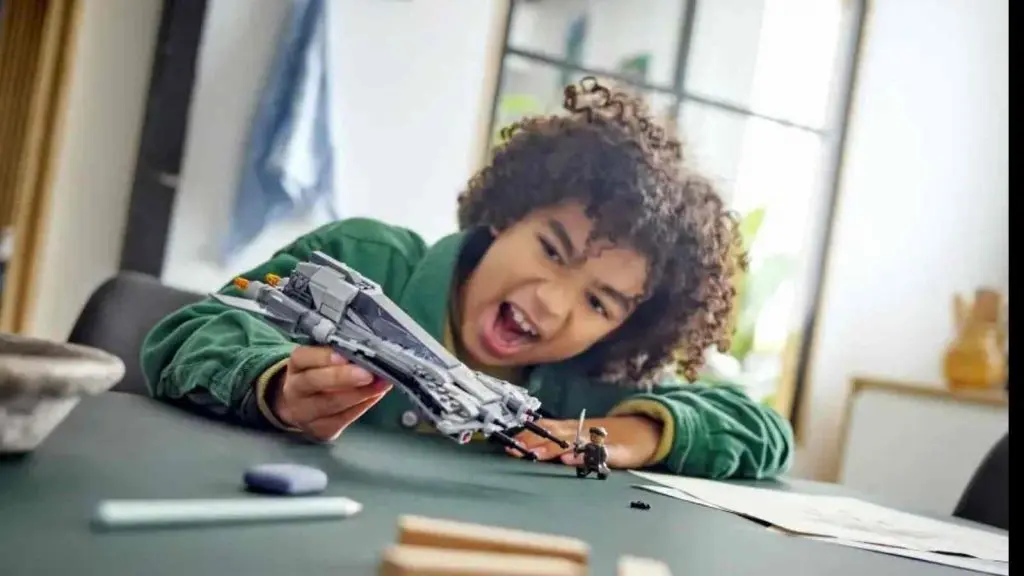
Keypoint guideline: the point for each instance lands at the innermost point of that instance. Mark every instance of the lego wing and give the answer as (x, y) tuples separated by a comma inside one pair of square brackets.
[(250, 306)]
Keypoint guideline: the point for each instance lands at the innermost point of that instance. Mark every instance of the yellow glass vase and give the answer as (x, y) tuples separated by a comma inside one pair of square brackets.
[(976, 358)]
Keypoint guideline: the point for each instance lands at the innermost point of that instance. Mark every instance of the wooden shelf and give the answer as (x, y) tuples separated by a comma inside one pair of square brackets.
[(991, 397)]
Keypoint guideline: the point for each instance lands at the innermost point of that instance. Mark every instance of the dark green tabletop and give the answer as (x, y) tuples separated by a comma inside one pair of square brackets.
[(120, 446)]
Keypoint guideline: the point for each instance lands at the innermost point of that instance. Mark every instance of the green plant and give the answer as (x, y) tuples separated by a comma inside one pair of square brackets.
[(755, 287), (511, 108)]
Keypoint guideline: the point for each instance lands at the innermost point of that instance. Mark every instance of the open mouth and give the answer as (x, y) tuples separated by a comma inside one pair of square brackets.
[(510, 332)]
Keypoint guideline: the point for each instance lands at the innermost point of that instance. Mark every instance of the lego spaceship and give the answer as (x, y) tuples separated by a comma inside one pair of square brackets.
[(333, 305)]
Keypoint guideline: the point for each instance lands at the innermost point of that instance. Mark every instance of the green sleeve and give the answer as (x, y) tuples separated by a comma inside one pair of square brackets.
[(715, 431), (209, 356)]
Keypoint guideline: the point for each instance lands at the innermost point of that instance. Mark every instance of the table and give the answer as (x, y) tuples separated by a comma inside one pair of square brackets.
[(125, 446)]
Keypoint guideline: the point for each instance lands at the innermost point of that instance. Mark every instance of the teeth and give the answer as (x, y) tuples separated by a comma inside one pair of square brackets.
[(522, 322)]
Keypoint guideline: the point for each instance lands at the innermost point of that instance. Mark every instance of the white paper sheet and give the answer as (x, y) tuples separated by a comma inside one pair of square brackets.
[(975, 564), (841, 518), (673, 493)]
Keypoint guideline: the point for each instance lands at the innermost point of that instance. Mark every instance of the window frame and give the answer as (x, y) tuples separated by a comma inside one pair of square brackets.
[(833, 139)]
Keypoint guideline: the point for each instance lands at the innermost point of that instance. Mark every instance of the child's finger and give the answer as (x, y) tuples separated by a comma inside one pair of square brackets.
[(570, 459), (548, 451), (530, 440), (331, 378), (543, 452), (306, 357), (328, 428), (325, 405), (557, 428), (517, 454), (545, 449)]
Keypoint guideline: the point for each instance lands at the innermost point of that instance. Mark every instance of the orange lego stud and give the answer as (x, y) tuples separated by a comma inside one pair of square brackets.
[(272, 279), (241, 283)]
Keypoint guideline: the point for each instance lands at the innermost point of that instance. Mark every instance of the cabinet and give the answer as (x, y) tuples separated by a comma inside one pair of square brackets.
[(916, 446)]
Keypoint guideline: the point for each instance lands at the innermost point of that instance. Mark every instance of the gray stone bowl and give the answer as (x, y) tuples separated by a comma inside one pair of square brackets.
[(41, 381)]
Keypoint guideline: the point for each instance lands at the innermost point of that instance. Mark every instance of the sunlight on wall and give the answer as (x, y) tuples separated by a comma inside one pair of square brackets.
[(783, 168)]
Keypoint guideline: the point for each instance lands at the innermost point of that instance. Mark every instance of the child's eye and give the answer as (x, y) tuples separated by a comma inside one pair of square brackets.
[(596, 304), (550, 252)]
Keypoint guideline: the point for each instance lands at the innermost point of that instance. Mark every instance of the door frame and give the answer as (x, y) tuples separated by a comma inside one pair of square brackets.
[(163, 137)]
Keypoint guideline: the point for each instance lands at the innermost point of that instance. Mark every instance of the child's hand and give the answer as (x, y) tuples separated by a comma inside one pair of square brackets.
[(322, 393), (631, 442)]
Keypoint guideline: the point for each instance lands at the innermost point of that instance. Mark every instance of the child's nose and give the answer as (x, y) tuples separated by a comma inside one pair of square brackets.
[(554, 303)]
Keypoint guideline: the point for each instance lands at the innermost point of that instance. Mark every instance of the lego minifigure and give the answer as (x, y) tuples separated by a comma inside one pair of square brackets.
[(595, 454)]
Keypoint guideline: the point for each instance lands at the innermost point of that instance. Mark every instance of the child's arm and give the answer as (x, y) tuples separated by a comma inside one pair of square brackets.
[(215, 358), (714, 431)]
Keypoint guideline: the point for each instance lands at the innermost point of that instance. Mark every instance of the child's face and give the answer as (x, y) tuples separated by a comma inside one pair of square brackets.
[(531, 300)]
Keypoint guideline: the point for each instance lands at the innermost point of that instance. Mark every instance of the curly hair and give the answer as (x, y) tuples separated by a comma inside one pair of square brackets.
[(610, 155)]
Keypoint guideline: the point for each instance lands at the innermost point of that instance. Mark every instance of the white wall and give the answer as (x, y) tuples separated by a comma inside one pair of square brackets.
[(923, 206), (94, 167), (407, 79)]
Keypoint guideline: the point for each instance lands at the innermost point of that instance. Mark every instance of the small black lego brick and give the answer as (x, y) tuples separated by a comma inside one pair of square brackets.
[(640, 505)]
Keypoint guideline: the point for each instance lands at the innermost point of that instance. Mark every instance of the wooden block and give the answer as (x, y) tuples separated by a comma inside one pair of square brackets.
[(636, 566), (434, 532), (405, 560)]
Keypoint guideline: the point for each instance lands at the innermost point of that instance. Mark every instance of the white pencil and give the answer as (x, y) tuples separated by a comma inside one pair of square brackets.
[(139, 513)]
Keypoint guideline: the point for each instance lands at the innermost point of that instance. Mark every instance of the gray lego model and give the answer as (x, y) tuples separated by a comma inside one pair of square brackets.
[(331, 304)]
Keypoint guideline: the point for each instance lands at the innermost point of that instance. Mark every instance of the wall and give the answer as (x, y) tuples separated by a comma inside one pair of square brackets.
[(407, 84), (110, 77), (923, 205)]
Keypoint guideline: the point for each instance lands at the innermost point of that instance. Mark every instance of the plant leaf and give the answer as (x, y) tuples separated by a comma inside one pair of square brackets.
[(758, 288), (762, 283), (749, 226), (742, 342)]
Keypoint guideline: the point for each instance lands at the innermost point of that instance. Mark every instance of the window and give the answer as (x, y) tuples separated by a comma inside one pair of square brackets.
[(758, 89)]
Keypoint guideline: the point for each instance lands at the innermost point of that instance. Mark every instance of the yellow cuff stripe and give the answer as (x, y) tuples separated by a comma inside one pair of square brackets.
[(651, 409), (261, 393)]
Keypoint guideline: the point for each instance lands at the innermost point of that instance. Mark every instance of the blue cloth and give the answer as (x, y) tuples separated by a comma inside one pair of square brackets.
[(289, 164)]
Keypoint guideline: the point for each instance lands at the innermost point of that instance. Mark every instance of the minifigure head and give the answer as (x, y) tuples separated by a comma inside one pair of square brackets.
[(597, 435), (601, 245)]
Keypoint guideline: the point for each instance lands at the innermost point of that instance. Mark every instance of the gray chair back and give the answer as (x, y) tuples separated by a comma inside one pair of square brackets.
[(987, 497), (120, 313)]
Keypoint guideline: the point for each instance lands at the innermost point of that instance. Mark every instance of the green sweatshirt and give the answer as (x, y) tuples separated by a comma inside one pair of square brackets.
[(221, 360)]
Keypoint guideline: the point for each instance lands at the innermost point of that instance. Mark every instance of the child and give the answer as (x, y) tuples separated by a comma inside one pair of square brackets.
[(589, 257)]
